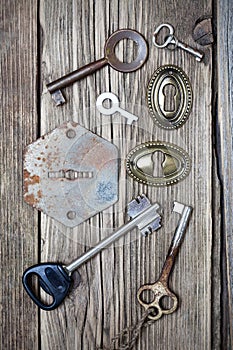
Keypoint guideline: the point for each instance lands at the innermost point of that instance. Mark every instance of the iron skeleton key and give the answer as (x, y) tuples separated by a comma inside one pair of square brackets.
[(109, 58)]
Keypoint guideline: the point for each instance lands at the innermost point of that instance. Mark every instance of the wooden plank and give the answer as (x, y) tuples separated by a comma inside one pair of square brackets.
[(18, 127), (225, 124), (73, 34)]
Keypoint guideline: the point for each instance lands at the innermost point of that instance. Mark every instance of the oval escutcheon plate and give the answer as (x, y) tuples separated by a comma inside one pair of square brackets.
[(142, 163), (169, 97)]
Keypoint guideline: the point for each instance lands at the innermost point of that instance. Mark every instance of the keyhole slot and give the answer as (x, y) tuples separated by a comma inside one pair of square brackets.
[(158, 158), (169, 92)]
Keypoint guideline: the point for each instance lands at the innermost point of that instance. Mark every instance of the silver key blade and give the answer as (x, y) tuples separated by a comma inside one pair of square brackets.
[(147, 220), (138, 205), (151, 227), (185, 213), (151, 221)]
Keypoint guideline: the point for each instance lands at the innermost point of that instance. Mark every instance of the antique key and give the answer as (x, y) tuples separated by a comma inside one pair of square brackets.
[(115, 107), (55, 279), (171, 42), (160, 288), (110, 58)]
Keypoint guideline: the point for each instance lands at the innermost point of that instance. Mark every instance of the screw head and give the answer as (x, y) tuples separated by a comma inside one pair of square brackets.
[(71, 215), (70, 133)]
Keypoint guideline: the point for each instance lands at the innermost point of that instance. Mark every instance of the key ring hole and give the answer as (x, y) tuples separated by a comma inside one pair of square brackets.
[(171, 46), (107, 103), (153, 311), (147, 296), (39, 289), (162, 36), (128, 35), (166, 302), (126, 50)]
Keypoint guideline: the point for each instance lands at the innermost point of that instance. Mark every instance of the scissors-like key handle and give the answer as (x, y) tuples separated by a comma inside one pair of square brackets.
[(160, 291)]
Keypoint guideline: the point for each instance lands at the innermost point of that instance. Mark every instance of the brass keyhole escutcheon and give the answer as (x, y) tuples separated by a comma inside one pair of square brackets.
[(158, 163), (169, 97), (158, 159)]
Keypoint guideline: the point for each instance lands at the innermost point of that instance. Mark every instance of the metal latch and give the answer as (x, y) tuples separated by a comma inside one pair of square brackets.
[(71, 174)]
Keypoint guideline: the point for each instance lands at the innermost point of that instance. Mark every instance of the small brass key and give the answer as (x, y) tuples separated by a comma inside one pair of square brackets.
[(110, 58), (160, 288)]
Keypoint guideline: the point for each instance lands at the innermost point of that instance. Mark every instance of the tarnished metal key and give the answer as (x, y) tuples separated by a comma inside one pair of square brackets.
[(160, 290), (109, 58), (55, 279), (115, 107), (171, 42)]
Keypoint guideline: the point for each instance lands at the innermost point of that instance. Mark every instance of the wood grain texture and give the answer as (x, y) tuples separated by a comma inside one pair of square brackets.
[(18, 127), (225, 124), (73, 34)]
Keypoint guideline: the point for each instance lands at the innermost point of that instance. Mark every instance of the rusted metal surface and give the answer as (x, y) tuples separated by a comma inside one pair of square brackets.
[(109, 58), (160, 289), (71, 174)]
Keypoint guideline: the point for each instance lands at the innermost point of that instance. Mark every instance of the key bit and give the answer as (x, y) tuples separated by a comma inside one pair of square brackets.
[(148, 224), (178, 208), (55, 279), (109, 58), (137, 206)]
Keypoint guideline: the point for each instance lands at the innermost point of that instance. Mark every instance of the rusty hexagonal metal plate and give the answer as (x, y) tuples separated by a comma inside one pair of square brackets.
[(71, 174)]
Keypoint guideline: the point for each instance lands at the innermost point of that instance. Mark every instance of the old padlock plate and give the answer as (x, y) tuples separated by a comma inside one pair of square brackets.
[(175, 166), (71, 174), (169, 111)]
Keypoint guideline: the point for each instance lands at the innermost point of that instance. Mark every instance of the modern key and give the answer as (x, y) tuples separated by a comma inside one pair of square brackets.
[(55, 279)]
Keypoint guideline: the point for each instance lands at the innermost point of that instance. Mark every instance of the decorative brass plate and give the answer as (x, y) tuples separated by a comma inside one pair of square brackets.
[(174, 167), (169, 112)]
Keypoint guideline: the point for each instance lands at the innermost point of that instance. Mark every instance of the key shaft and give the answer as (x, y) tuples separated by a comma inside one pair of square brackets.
[(198, 55), (141, 220), (177, 240), (130, 118), (80, 73)]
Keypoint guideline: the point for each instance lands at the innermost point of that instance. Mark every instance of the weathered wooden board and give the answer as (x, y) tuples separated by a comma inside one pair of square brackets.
[(73, 34), (18, 127), (225, 112)]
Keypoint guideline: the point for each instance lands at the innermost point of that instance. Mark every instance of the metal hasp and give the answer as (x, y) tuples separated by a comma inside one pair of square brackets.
[(159, 291), (141, 164), (169, 110), (71, 174)]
